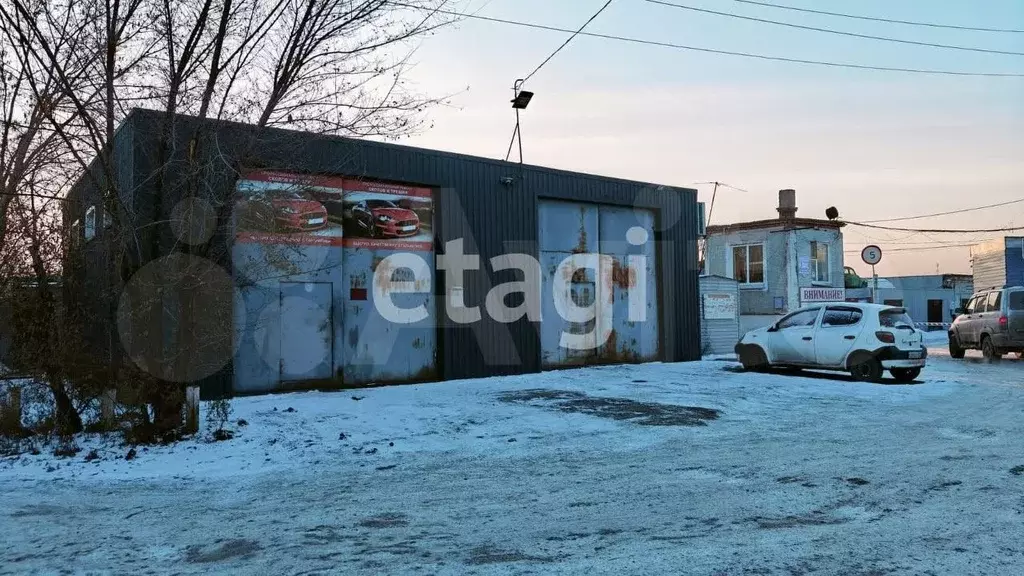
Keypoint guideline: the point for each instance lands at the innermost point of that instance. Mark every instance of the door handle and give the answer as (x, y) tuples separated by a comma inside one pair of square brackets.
[(850, 337), (807, 338)]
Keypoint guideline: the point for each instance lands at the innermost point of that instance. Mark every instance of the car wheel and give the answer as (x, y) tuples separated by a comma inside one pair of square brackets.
[(753, 359), (955, 349), (905, 375), (988, 350), (866, 368)]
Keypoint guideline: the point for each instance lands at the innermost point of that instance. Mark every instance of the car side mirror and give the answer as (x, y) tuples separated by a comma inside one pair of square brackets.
[(773, 328)]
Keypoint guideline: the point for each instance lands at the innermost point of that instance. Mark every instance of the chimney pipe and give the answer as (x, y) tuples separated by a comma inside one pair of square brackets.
[(787, 204)]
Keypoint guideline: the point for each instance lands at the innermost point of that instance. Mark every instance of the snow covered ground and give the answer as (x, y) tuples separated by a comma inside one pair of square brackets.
[(690, 468)]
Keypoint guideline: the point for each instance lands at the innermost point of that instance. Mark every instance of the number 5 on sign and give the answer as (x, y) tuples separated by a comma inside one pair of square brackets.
[(871, 255)]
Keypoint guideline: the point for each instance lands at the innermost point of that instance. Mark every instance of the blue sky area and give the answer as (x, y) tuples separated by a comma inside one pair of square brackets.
[(875, 144)]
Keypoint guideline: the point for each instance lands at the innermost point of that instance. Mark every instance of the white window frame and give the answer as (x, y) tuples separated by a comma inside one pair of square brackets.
[(814, 266), (74, 232), (90, 223), (763, 285)]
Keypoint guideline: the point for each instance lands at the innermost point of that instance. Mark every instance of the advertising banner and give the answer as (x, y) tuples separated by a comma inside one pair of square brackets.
[(274, 207), (283, 208), (388, 216)]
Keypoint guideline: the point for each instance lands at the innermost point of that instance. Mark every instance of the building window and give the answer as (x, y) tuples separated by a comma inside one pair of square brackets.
[(75, 233), (748, 264), (90, 223), (819, 262)]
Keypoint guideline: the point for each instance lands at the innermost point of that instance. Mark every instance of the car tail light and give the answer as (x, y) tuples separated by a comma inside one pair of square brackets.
[(887, 337), (1004, 322)]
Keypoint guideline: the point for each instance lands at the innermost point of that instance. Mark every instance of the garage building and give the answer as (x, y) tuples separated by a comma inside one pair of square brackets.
[(339, 256)]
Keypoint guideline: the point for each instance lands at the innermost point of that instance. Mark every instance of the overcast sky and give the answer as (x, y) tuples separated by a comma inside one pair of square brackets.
[(874, 144)]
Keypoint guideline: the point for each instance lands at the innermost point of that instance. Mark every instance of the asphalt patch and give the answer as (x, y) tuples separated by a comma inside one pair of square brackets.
[(390, 520), (230, 549), (796, 521), (483, 555), (642, 413)]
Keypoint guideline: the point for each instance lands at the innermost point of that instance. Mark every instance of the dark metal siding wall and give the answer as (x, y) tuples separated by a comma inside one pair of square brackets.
[(473, 204), (92, 278), (1015, 261)]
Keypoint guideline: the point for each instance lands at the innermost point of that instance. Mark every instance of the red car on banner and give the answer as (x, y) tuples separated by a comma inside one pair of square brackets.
[(378, 218), (282, 210)]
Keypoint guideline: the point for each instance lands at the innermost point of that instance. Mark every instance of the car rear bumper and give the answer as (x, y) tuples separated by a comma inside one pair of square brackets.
[(887, 364), (893, 357)]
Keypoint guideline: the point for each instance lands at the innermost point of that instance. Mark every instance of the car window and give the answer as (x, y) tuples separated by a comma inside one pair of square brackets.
[(841, 317), (972, 307), (895, 318), (995, 302), (797, 319), (1016, 301)]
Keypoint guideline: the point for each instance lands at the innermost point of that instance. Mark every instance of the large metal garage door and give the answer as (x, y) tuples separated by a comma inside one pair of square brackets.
[(625, 276), (307, 331)]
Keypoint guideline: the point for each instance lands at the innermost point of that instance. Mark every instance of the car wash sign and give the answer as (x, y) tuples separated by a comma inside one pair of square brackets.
[(816, 294)]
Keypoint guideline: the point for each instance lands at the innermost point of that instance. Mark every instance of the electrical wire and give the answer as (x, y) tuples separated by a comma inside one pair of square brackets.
[(641, 41), (923, 248), (831, 31), (961, 211), (566, 43), (935, 230), (875, 19)]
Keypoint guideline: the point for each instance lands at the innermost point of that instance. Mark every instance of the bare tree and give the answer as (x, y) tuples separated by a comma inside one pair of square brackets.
[(79, 66)]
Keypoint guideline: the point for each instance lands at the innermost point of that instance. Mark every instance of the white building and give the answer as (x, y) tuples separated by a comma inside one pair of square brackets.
[(780, 264)]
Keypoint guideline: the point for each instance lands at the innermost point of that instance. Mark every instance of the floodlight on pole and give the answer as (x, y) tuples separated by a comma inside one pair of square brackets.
[(522, 100), (519, 102)]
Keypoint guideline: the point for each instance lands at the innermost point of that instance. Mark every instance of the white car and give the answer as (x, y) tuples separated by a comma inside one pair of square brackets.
[(863, 339)]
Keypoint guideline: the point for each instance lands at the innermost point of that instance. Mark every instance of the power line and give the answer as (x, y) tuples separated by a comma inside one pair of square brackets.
[(566, 43), (935, 230), (888, 20), (839, 32), (961, 211), (919, 249), (724, 52)]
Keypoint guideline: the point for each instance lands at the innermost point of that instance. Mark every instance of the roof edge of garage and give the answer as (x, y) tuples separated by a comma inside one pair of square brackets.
[(156, 114)]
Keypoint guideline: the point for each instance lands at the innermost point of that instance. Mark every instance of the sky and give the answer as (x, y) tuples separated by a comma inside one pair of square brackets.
[(874, 144)]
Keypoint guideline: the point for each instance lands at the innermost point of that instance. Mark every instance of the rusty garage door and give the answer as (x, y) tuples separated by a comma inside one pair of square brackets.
[(307, 331), (390, 327), (600, 301)]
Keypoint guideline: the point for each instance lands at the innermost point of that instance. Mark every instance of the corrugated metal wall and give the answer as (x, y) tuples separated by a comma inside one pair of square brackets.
[(491, 206), (719, 335), (621, 287), (989, 269), (1015, 261)]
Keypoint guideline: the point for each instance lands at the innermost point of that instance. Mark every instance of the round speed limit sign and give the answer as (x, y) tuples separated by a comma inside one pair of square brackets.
[(871, 254)]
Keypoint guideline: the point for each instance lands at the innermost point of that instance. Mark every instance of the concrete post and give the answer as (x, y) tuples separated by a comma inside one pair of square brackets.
[(191, 416), (10, 410), (107, 402)]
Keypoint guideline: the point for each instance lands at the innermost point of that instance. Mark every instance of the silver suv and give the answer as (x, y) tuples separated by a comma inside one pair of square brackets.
[(992, 322)]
